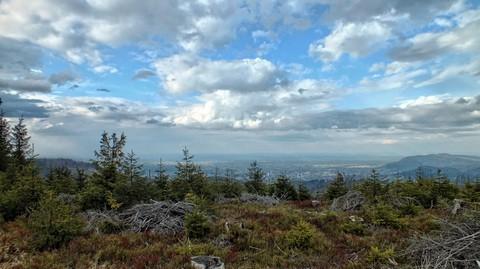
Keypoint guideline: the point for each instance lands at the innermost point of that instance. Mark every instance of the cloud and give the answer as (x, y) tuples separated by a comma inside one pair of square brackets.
[(15, 106), (452, 71), (181, 73), (62, 78), (358, 11), (105, 69), (103, 90), (25, 85), (425, 46), (355, 39), (143, 74)]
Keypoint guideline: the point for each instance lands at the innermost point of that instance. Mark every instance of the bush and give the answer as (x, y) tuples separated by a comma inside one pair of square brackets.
[(377, 256), (23, 195), (354, 227), (53, 223), (384, 215), (301, 236), (197, 225)]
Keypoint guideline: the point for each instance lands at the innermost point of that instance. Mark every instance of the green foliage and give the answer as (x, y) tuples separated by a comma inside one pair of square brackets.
[(471, 192), (93, 196), (160, 182), (284, 189), (189, 179), (197, 225), (255, 182), (384, 215), (428, 192), (60, 180), (337, 187), (373, 188), (301, 236), (53, 223), (354, 227), (303, 193), (377, 256), (5, 145), (21, 196), (22, 151)]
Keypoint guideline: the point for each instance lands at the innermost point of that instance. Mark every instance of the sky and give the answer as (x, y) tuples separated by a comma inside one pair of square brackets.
[(376, 77)]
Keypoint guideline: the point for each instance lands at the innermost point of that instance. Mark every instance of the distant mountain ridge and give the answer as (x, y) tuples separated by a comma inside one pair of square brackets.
[(45, 164), (451, 165)]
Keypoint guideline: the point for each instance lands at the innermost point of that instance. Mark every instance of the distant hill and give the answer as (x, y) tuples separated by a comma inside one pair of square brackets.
[(45, 164), (453, 166)]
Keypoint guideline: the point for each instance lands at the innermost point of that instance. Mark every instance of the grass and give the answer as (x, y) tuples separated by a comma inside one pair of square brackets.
[(290, 235)]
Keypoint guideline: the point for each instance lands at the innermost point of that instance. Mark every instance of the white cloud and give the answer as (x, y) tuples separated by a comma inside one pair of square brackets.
[(105, 69), (355, 39), (185, 72)]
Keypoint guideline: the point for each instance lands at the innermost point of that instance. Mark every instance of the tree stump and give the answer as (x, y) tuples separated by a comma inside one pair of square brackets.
[(207, 262)]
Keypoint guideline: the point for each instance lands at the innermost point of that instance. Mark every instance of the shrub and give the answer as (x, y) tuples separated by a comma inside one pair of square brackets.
[(197, 225), (301, 236), (384, 215), (354, 227), (53, 223), (23, 195), (377, 256)]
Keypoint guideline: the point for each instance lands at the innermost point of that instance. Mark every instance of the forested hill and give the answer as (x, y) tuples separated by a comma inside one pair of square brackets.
[(45, 164)]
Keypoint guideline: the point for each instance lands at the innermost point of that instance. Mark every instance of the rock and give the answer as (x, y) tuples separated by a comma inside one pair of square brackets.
[(352, 200), (457, 205), (316, 203), (207, 262)]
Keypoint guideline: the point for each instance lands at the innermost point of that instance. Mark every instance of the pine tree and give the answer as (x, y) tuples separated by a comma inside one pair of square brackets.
[(303, 193), (186, 169), (373, 187), (22, 149), (255, 182), (161, 181), (131, 168), (337, 187), (5, 146), (284, 189), (109, 159), (60, 180)]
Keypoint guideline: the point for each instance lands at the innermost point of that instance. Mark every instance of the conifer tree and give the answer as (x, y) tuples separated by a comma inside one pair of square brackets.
[(109, 159), (131, 168), (284, 189), (303, 193), (5, 146), (255, 182), (22, 152), (337, 187), (373, 187), (60, 180), (161, 181)]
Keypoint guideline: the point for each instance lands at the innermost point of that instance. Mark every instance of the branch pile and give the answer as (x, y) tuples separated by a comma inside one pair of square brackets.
[(157, 217), (352, 200), (456, 245)]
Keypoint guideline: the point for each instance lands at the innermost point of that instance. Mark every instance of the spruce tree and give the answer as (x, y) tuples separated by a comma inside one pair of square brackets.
[(161, 181), (109, 159), (337, 187), (5, 146), (303, 193), (22, 153), (255, 183), (131, 168), (284, 189)]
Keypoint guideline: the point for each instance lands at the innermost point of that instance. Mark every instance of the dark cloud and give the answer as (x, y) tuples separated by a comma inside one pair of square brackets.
[(74, 86), (143, 74), (447, 116), (364, 10), (62, 78), (430, 45), (25, 85), (103, 90), (15, 106), (18, 57)]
